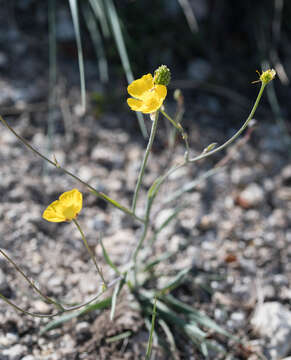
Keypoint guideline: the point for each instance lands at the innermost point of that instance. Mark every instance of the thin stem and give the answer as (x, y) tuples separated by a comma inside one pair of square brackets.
[(57, 165), (202, 156), (179, 127), (236, 135), (145, 159), (141, 240), (48, 299), (89, 251), (4, 298)]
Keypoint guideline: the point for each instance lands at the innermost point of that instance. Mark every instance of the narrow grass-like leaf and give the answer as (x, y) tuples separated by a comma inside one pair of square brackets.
[(188, 327), (58, 322), (75, 16), (189, 14), (69, 316), (150, 341), (177, 281), (117, 33), (152, 192), (167, 221), (97, 306), (195, 315), (97, 42), (169, 336), (118, 337), (100, 14), (116, 291), (156, 261), (107, 258), (204, 349)]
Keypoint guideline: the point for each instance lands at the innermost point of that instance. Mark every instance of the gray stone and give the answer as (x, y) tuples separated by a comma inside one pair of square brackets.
[(16, 352), (8, 339), (238, 319), (273, 321), (251, 196)]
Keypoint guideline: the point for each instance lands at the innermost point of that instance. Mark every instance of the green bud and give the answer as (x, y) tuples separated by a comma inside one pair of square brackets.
[(267, 76), (162, 75), (209, 148)]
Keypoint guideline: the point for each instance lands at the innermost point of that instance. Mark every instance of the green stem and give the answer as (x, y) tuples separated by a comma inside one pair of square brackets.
[(179, 127), (236, 135), (57, 165), (48, 299), (141, 240), (178, 166), (145, 159), (4, 298), (89, 251)]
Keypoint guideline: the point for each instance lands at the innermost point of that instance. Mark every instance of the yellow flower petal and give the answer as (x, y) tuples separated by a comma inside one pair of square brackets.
[(139, 86), (134, 104), (72, 197), (151, 103), (161, 91), (54, 212), (66, 208)]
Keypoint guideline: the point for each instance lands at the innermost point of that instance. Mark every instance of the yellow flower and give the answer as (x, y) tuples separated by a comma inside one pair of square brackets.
[(148, 96), (266, 76), (66, 208)]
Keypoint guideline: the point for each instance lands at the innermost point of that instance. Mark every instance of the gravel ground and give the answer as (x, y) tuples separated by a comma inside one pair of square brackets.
[(234, 233)]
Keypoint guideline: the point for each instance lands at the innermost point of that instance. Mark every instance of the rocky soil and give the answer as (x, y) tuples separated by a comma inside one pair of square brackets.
[(234, 233)]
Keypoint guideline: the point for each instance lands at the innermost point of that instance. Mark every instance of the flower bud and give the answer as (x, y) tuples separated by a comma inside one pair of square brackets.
[(267, 76), (162, 75)]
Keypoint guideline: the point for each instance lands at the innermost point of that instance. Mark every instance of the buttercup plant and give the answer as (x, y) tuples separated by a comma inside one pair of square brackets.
[(148, 95)]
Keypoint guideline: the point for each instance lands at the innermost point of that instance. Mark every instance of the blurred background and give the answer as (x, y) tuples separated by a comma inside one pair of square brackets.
[(213, 49)]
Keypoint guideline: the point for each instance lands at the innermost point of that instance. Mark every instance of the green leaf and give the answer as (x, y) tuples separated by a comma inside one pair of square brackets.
[(156, 261), (152, 192), (97, 42), (177, 281), (100, 14), (170, 337), (171, 217), (195, 315), (69, 316), (116, 291), (118, 337), (75, 16), (150, 341), (58, 322)]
